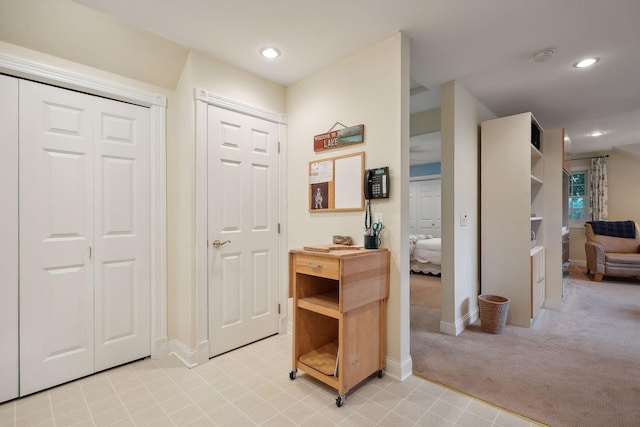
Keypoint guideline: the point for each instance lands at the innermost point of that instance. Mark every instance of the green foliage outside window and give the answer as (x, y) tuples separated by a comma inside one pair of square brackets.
[(577, 196)]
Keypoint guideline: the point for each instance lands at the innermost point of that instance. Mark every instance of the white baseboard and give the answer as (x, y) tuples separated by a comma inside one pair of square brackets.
[(159, 349), (577, 263), (203, 352), (186, 355), (456, 329), (472, 317), (285, 326), (448, 328), (399, 370)]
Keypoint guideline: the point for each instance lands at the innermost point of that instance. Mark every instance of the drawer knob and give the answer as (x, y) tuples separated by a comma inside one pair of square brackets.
[(312, 265)]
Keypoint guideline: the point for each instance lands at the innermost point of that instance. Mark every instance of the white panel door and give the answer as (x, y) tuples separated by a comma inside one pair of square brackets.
[(243, 209), (56, 234), (429, 208), (121, 233), (8, 238)]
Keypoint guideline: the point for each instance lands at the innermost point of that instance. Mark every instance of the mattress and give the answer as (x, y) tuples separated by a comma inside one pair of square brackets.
[(425, 254)]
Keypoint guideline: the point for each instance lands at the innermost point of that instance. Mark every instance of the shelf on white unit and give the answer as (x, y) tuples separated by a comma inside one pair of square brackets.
[(536, 218), (536, 249), (535, 152), (536, 180)]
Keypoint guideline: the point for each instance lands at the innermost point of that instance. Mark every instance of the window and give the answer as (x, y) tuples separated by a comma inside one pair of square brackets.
[(578, 198)]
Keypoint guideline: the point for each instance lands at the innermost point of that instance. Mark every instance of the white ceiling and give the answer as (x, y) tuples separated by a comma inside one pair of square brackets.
[(487, 45), (425, 148)]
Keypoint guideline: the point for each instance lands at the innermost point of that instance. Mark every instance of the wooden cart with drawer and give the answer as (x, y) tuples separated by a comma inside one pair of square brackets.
[(339, 314)]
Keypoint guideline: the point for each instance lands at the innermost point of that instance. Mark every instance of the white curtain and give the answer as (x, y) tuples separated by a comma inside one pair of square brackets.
[(598, 208)]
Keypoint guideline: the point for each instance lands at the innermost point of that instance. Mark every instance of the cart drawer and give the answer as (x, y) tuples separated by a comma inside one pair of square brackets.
[(318, 266)]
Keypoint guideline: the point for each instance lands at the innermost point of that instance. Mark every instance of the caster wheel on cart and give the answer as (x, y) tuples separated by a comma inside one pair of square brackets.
[(340, 400), (381, 373), (292, 374)]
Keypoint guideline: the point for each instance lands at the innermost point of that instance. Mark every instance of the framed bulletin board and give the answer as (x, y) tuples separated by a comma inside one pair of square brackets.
[(335, 183)]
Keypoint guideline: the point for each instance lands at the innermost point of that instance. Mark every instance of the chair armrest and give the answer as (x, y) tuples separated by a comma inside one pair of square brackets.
[(595, 257)]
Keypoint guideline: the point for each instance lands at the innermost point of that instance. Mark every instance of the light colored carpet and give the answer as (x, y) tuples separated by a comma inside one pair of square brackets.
[(576, 367), (425, 291)]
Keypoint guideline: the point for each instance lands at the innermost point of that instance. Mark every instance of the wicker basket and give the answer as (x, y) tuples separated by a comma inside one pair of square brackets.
[(493, 313)]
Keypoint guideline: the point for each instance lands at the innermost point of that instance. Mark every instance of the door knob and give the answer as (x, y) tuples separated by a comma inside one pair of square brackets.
[(217, 243)]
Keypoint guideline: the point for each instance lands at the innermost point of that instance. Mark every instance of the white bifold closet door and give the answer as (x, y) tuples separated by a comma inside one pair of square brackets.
[(84, 235), (8, 238)]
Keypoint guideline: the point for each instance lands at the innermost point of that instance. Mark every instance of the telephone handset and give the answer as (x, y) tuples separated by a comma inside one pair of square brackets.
[(376, 183)]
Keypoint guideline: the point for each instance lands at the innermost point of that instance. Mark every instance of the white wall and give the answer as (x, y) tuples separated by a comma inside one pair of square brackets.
[(69, 30), (80, 68), (180, 212), (372, 88), (220, 79), (624, 199), (425, 121), (461, 116), (197, 71)]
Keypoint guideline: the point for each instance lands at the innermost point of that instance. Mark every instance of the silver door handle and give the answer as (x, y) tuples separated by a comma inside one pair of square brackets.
[(217, 243)]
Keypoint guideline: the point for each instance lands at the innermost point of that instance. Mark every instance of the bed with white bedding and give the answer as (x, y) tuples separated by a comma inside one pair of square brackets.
[(425, 253)]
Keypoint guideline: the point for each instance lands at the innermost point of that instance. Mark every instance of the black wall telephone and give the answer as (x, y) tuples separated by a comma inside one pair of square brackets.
[(376, 183)]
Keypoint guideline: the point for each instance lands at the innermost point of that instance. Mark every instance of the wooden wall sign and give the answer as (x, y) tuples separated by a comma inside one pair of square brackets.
[(338, 138)]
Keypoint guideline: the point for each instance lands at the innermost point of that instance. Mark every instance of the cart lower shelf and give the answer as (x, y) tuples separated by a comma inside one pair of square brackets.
[(323, 359)]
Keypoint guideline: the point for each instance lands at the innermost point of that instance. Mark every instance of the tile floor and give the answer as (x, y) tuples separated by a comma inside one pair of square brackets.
[(246, 387)]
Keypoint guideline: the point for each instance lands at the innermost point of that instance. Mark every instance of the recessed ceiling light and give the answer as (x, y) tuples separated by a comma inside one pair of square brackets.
[(270, 52), (596, 133), (586, 62)]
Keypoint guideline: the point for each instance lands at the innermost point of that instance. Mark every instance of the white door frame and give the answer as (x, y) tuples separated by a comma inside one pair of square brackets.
[(157, 105), (203, 98), (9, 248)]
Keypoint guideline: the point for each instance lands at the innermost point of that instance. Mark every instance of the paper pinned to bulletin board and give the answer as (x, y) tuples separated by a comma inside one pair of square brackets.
[(335, 183)]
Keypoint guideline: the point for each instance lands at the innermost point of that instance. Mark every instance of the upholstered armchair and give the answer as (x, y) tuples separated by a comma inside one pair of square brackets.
[(610, 255)]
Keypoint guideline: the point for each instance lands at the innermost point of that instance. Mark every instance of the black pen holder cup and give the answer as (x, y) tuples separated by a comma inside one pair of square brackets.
[(371, 242)]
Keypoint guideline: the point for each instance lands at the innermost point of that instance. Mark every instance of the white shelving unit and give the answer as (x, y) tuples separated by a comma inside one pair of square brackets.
[(512, 209)]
